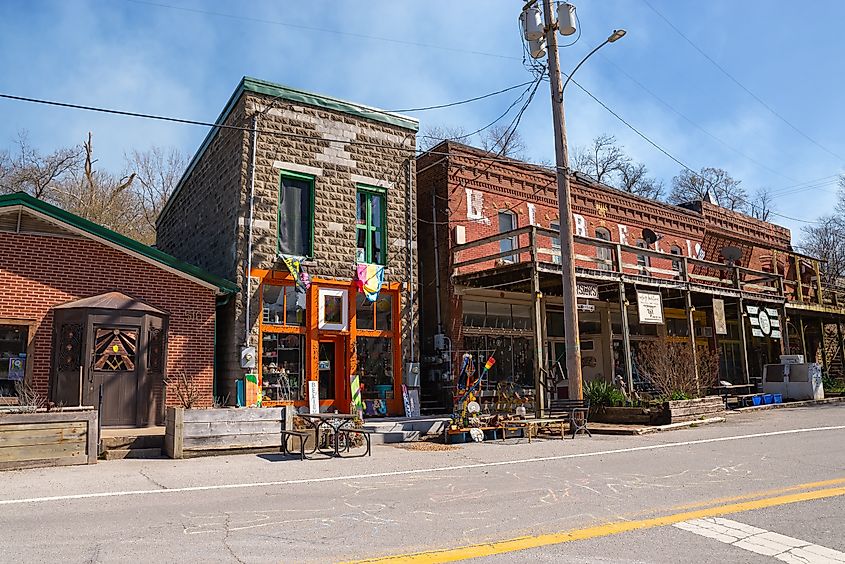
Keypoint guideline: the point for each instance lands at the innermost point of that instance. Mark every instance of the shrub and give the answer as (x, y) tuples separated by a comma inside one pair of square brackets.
[(601, 393), (671, 368)]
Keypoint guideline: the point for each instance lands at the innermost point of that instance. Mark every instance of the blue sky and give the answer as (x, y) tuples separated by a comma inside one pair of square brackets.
[(147, 57)]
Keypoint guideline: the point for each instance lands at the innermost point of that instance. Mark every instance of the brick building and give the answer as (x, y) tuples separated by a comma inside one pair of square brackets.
[(82, 306), (324, 179), (495, 225)]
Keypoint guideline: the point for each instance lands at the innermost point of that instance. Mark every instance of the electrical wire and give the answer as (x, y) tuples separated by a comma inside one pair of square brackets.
[(742, 86), (321, 29), (468, 100)]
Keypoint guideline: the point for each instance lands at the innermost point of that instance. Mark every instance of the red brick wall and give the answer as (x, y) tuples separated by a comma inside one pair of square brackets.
[(38, 272)]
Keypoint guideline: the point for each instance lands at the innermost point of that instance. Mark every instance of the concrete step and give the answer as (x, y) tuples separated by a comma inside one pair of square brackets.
[(422, 425), (394, 437), (121, 453), (133, 442)]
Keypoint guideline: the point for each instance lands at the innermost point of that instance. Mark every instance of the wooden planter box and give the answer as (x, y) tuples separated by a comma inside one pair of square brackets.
[(690, 410), (55, 438), (623, 415), (190, 432)]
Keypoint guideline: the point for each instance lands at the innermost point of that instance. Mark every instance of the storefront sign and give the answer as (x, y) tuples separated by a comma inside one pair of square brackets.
[(765, 322), (650, 307), (325, 365), (586, 291), (719, 316), (313, 396)]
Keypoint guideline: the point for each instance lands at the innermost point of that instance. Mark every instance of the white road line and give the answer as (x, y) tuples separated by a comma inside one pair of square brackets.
[(761, 541), (415, 470)]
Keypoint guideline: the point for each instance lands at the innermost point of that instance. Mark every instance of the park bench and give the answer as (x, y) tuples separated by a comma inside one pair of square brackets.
[(577, 412)]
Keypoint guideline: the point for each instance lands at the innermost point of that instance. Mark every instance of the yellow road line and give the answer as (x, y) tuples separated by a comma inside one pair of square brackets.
[(523, 543)]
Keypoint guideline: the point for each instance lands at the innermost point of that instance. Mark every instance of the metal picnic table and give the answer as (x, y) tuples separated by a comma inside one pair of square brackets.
[(334, 423)]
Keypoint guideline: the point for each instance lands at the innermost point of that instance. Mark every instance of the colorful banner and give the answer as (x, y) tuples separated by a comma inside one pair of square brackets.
[(252, 391), (357, 404), (370, 280), (294, 265)]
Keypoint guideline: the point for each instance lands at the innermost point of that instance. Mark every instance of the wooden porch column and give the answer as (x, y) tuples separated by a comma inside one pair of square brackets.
[(822, 345), (626, 340), (798, 284), (744, 340), (803, 340), (539, 328), (691, 324), (819, 290), (784, 333)]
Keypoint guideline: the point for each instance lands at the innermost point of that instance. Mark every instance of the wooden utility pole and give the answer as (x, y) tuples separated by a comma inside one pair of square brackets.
[(567, 255)]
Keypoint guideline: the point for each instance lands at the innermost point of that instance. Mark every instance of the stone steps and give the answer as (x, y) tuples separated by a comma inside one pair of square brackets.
[(131, 443), (386, 431)]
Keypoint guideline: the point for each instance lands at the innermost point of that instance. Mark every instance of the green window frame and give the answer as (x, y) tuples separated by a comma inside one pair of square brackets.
[(296, 182), (371, 225)]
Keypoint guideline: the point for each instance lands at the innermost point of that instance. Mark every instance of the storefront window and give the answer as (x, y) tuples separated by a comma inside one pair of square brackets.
[(375, 367), (13, 341), (374, 316), (282, 305), (514, 358), (496, 315), (282, 366)]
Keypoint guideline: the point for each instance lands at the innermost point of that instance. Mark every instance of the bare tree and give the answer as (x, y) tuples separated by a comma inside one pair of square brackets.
[(825, 239), (27, 170), (601, 160), (504, 141), (633, 178), (761, 204), (103, 198), (432, 135), (157, 173), (690, 186)]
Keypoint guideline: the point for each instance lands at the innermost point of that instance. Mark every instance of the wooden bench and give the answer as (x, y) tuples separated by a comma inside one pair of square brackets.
[(577, 413), (303, 435)]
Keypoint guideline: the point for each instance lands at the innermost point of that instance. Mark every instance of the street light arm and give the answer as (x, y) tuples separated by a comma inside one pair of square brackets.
[(578, 66)]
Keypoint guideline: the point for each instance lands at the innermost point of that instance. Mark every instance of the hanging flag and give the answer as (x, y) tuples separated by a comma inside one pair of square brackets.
[(370, 280), (489, 364), (301, 278)]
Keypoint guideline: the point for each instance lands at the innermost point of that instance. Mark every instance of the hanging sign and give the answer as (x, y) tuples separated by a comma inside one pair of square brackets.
[(586, 291), (650, 307), (719, 316), (765, 322), (313, 396), (17, 369)]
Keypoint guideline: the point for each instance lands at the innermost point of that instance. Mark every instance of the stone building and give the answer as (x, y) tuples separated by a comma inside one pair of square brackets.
[(492, 286), (294, 174), (85, 309)]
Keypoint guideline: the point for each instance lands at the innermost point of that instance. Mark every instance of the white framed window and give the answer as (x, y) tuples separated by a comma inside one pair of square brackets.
[(333, 309), (475, 205), (507, 222)]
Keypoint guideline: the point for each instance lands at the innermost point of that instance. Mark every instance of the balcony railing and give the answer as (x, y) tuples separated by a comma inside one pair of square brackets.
[(597, 258)]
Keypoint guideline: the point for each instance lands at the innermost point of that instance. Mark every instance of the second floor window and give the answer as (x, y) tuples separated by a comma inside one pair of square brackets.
[(507, 222), (555, 226), (370, 228), (604, 255), (296, 215)]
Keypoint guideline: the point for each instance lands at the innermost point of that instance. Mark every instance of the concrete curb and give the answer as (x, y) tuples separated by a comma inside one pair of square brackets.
[(656, 429), (805, 403)]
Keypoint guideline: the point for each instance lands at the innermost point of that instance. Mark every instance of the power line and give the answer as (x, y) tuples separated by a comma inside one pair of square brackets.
[(321, 29), (742, 86), (468, 100)]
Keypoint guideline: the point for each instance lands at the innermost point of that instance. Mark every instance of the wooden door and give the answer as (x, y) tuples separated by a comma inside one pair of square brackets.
[(114, 365)]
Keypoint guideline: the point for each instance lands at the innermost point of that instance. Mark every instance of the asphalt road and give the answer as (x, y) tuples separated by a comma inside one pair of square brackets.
[(762, 487)]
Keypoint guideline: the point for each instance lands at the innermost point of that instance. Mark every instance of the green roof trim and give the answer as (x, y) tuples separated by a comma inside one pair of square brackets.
[(249, 84), (335, 104), (96, 230)]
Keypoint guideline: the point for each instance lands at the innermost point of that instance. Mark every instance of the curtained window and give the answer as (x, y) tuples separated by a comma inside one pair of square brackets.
[(296, 214)]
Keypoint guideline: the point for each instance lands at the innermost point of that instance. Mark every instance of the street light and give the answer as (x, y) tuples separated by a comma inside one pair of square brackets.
[(570, 302)]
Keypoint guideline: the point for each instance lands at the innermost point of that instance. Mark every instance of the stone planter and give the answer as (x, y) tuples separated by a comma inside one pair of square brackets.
[(690, 410), (191, 432), (622, 415), (41, 438)]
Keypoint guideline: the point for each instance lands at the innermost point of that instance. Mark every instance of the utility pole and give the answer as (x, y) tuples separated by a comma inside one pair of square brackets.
[(567, 244)]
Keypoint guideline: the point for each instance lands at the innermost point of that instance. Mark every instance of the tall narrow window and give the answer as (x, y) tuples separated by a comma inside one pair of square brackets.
[(676, 263), (642, 260), (555, 226), (507, 222), (604, 255), (296, 214), (371, 228)]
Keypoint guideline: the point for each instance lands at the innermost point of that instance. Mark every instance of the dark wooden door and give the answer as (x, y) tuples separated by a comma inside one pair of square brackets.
[(114, 365)]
